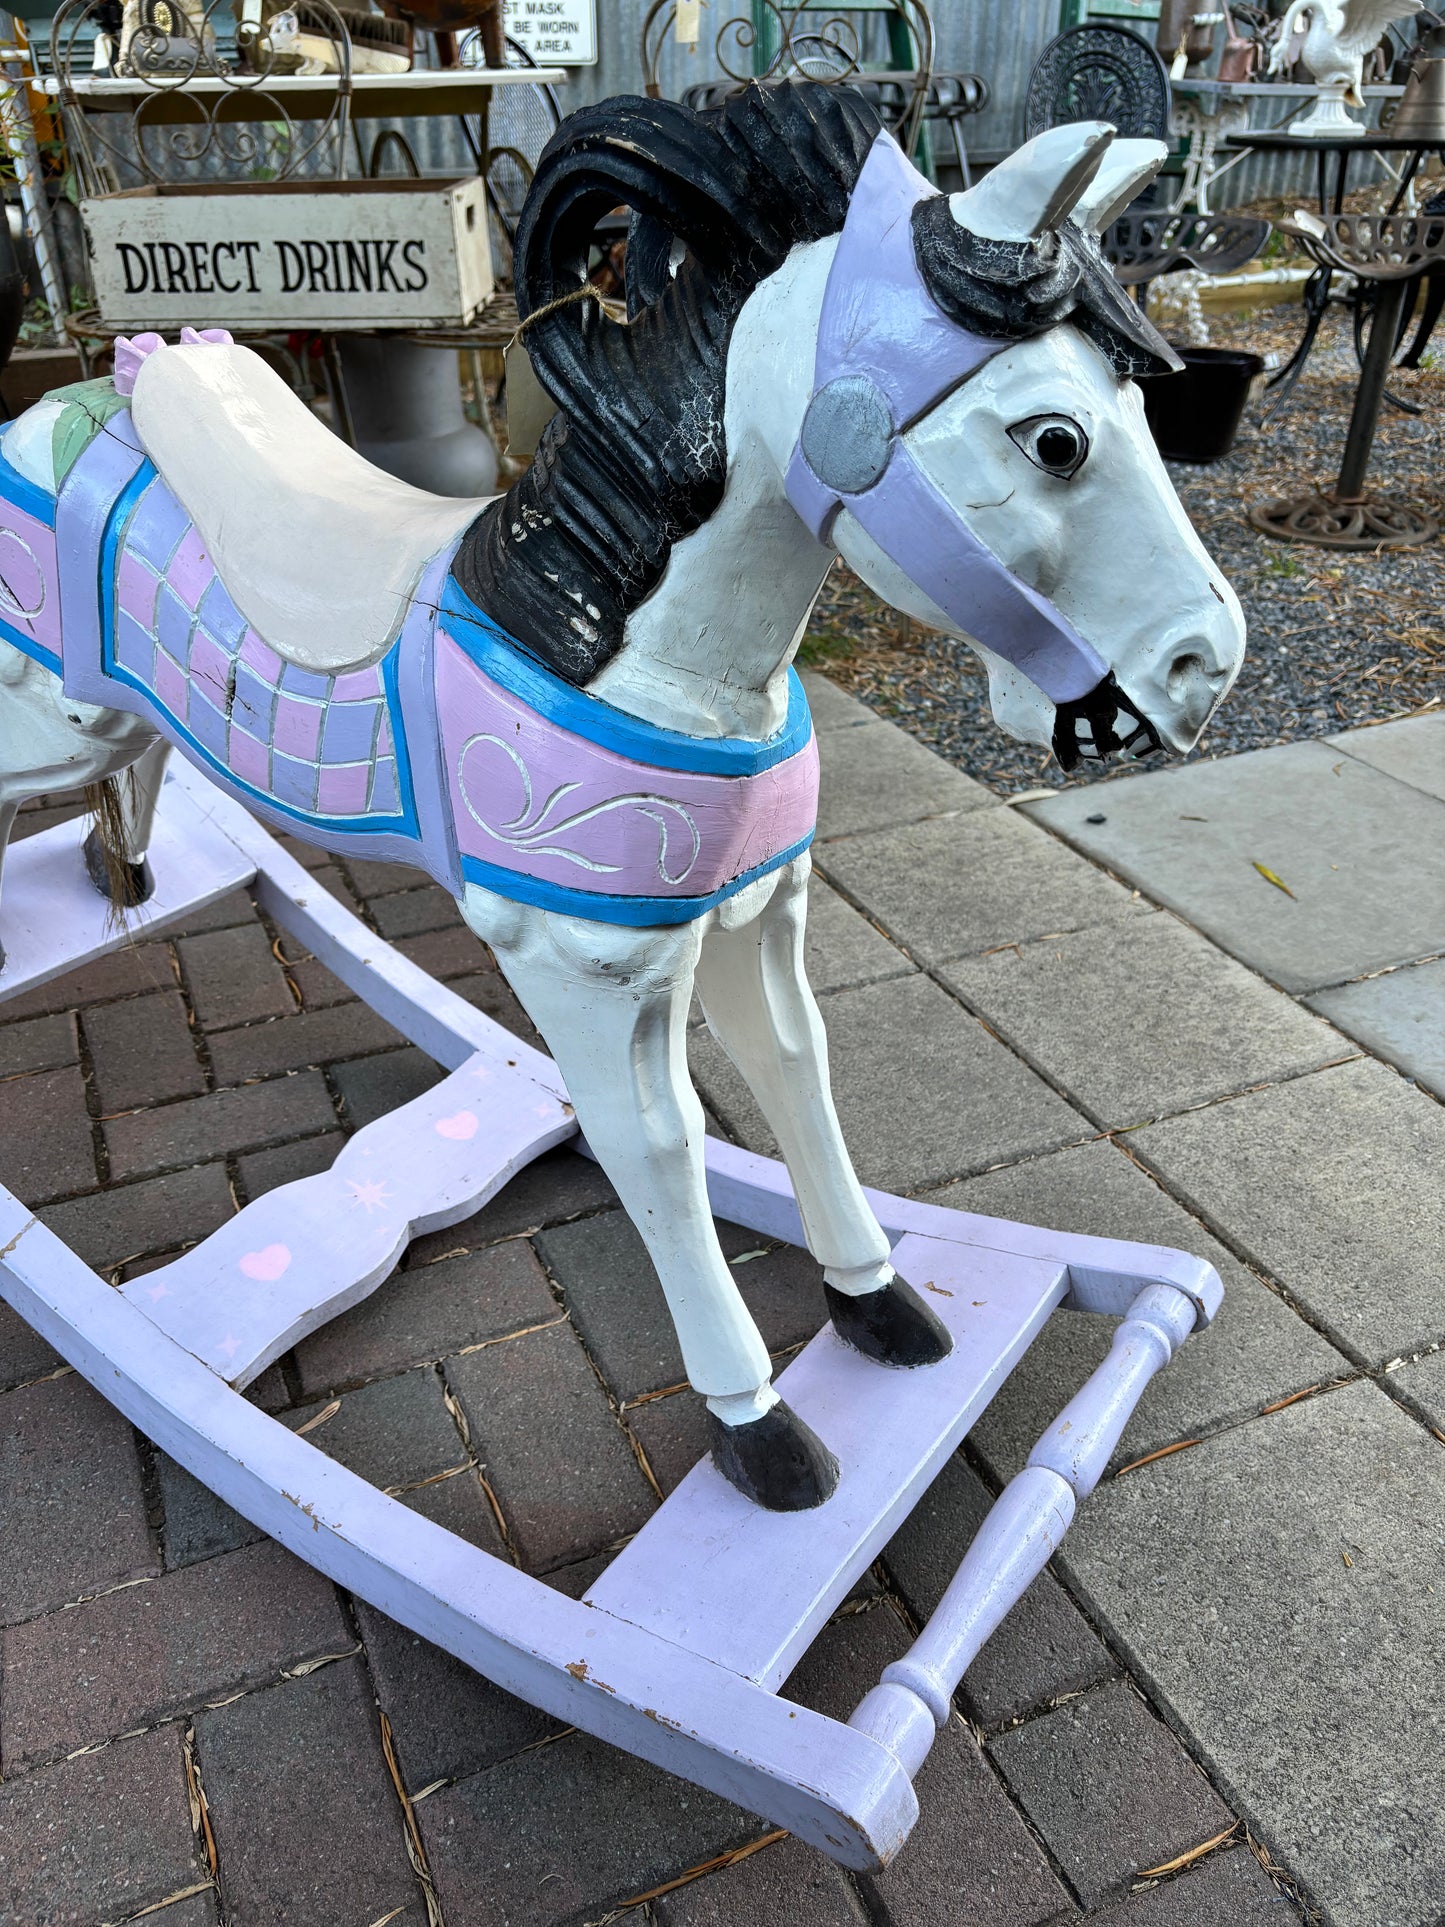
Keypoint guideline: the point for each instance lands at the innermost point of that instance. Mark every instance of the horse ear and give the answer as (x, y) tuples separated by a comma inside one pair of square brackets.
[(1125, 172), (1037, 187)]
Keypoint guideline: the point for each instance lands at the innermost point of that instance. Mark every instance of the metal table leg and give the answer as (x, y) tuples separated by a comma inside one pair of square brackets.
[(1316, 305), (1348, 518)]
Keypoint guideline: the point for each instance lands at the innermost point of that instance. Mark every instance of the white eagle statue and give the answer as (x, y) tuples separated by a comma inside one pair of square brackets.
[(1338, 35)]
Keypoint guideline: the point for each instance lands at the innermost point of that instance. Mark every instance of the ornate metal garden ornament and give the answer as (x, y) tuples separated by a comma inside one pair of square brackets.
[(1338, 36), (1100, 72)]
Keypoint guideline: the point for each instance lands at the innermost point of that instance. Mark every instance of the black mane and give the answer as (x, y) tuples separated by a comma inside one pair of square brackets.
[(636, 458)]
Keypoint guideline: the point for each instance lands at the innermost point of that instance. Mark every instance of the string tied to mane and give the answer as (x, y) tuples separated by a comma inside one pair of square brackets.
[(589, 291)]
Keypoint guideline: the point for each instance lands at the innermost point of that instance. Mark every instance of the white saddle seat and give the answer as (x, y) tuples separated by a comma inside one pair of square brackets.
[(319, 550)]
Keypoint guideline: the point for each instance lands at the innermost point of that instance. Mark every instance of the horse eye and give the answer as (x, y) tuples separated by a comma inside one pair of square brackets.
[(1053, 443)]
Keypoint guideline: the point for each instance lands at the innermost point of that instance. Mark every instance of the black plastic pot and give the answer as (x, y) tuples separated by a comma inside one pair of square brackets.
[(1195, 415)]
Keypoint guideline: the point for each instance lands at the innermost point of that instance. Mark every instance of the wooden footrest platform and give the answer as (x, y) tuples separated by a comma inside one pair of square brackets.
[(750, 1589)]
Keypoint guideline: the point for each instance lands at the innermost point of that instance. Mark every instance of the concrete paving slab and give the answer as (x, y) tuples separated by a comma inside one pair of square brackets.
[(1141, 1018), (1411, 750), (563, 1833), (1400, 1017), (1279, 1589), (877, 774), (1256, 1351), (923, 1091), (1422, 1384), (832, 707), (966, 884), (1363, 855), (1331, 1185), (841, 948), (788, 1882)]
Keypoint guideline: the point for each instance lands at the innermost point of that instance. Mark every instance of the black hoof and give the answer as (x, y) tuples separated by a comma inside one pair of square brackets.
[(776, 1460), (142, 882), (891, 1324)]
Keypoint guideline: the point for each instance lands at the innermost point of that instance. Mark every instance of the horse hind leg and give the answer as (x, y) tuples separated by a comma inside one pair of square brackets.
[(761, 1009), (124, 808), (612, 1004)]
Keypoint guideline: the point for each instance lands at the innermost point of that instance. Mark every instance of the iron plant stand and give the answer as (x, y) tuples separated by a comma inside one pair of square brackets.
[(1392, 251)]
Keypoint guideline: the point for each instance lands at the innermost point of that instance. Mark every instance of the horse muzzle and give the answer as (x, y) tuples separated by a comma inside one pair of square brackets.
[(1103, 724)]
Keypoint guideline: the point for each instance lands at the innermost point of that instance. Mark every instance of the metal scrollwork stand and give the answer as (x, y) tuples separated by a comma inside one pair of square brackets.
[(773, 41), (198, 113)]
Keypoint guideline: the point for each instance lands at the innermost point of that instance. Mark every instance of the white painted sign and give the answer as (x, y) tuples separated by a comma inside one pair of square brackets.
[(322, 254), (556, 33)]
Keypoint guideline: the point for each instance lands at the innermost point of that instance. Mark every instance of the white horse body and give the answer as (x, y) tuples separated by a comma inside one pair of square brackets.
[(707, 653)]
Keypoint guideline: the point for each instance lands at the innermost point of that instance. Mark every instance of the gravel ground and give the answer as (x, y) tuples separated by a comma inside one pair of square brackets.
[(1335, 640)]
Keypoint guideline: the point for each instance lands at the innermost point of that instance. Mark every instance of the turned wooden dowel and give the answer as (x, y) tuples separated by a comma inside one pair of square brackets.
[(1081, 1440), (1022, 1529)]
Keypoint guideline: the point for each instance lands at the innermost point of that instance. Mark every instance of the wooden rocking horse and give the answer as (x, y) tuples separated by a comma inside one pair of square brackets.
[(574, 708)]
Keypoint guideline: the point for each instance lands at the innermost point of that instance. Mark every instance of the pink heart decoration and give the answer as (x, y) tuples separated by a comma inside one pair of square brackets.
[(268, 1264), (461, 1126)]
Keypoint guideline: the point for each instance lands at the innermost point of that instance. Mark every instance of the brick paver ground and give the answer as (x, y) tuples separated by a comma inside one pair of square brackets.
[(199, 1731)]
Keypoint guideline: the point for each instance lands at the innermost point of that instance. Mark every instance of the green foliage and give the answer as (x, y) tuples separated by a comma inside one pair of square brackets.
[(821, 646)]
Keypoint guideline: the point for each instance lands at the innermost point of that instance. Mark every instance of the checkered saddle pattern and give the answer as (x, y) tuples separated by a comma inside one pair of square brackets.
[(321, 747)]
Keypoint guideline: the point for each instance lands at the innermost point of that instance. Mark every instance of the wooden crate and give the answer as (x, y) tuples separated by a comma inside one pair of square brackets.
[(293, 254)]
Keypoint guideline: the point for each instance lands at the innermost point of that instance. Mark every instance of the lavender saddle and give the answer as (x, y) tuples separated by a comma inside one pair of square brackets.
[(344, 686)]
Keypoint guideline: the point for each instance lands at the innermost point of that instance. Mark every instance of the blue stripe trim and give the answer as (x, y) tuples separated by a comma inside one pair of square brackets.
[(505, 660), (403, 825), (639, 912), (25, 494), (27, 645), (397, 723)]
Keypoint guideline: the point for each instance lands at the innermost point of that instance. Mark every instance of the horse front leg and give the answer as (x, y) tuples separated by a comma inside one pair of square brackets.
[(612, 1004), (761, 1009)]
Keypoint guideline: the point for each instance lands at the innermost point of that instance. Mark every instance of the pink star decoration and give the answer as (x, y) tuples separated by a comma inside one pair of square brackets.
[(371, 1196)]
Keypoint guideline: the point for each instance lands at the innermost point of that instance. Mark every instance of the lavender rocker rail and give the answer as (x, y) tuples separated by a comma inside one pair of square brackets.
[(677, 1651)]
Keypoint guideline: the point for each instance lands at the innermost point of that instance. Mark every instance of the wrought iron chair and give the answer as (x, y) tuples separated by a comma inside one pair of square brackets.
[(1434, 298), (1143, 244), (1101, 72), (507, 143), (765, 41)]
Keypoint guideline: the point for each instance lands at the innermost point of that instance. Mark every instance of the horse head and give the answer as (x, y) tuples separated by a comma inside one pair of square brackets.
[(976, 448), (939, 388)]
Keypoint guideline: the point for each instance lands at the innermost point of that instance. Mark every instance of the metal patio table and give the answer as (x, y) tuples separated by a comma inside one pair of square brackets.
[(1331, 197), (1391, 252), (1208, 112)]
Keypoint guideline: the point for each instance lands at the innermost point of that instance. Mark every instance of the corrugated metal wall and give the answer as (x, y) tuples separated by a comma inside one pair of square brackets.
[(1000, 39)]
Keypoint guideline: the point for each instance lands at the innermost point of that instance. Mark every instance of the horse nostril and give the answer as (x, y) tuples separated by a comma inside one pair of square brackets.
[(1187, 671)]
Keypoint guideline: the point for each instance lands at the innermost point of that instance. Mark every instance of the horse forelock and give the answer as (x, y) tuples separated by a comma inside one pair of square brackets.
[(1014, 290)]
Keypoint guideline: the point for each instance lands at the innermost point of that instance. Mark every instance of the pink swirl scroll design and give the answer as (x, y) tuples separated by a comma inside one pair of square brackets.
[(535, 827)]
